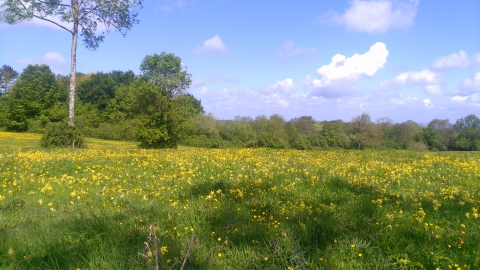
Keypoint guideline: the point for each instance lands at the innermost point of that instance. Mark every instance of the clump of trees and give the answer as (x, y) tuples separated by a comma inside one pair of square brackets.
[(152, 108), (155, 109)]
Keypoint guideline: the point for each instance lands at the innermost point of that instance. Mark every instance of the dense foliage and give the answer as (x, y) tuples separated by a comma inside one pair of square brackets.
[(59, 134), (155, 109)]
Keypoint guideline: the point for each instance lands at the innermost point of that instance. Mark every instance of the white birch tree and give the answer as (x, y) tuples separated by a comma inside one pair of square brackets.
[(75, 16)]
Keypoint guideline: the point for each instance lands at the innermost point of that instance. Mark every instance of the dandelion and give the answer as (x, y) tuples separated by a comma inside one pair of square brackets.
[(360, 255), (1, 198), (163, 249), (219, 254)]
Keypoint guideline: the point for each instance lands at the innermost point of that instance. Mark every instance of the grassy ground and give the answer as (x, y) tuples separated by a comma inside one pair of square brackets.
[(244, 209)]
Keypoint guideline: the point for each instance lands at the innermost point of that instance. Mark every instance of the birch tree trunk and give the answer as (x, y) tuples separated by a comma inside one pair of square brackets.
[(73, 68)]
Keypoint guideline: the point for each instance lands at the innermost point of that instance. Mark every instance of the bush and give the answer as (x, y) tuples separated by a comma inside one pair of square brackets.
[(417, 146), (60, 135), (203, 141), (38, 124), (124, 131)]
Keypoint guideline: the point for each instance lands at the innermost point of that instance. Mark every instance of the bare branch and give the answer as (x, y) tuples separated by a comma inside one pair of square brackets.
[(45, 19), (188, 250), (58, 4)]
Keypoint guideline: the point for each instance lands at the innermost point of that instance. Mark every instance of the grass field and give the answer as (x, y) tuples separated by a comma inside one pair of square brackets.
[(236, 208)]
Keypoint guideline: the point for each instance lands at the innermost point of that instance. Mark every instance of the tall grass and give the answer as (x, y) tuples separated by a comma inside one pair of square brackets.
[(248, 208)]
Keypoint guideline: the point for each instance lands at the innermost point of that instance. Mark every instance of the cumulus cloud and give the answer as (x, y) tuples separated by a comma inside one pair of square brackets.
[(459, 98), (289, 49), (428, 79), (412, 77), (466, 101), (375, 15), (307, 81), (458, 60), (214, 44), (342, 71), (469, 85), (427, 103), (54, 60), (284, 87), (280, 95)]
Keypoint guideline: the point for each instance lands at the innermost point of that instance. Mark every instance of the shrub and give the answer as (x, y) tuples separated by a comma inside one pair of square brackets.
[(60, 135), (417, 146)]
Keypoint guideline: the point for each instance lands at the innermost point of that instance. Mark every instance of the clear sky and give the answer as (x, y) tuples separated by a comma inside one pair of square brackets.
[(330, 59)]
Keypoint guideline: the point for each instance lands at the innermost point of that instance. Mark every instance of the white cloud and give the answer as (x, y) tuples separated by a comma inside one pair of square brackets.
[(470, 85), (375, 15), (402, 101), (455, 60), (339, 75), (428, 79), (54, 60), (280, 95), (357, 65), (307, 81), (476, 58), (290, 50), (472, 81), (433, 89), (204, 90), (470, 101), (413, 77), (285, 86), (427, 103), (459, 98), (214, 44)]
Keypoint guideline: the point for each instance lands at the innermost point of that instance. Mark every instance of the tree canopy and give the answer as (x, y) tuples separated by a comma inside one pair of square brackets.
[(7, 77), (166, 71)]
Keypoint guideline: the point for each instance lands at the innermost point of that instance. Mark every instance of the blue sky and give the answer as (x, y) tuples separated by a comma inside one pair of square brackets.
[(332, 59)]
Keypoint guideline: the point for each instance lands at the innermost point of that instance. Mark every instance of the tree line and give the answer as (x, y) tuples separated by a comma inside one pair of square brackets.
[(155, 109)]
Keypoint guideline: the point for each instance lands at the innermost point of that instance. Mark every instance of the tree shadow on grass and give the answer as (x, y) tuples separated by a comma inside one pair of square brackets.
[(255, 224)]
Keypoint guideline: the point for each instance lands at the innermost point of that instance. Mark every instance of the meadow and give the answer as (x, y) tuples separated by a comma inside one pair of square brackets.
[(113, 206)]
